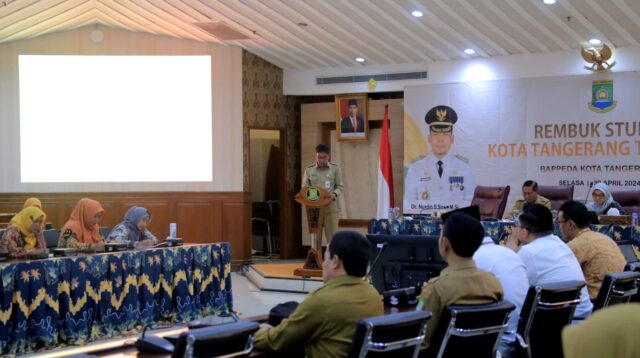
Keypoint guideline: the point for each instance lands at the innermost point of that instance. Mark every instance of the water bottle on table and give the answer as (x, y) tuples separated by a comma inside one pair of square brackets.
[(172, 231)]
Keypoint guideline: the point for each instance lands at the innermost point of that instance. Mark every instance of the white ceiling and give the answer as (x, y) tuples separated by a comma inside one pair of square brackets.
[(337, 31)]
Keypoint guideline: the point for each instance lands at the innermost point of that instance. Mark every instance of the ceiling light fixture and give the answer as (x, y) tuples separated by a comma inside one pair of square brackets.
[(549, 2), (595, 41), (469, 51), (417, 13), (359, 59)]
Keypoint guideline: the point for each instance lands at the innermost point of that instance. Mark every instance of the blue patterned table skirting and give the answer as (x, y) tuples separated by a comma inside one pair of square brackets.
[(70, 301)]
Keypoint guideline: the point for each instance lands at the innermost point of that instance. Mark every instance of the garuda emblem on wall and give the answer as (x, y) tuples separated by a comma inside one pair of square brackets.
[(598, 58)]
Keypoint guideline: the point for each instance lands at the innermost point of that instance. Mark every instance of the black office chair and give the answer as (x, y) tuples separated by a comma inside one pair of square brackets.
[(274, 206), (470, 330), (395, 335), (227, 340), (617, 288), (546, 310), (635, 267), (261, 223), (51, 237)]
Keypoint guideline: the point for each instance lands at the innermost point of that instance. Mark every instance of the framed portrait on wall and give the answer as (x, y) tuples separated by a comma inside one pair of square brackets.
[(352, 117)]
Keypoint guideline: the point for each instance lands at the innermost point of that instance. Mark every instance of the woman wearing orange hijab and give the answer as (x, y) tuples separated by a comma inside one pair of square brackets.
[(24, 233), (82, 231)]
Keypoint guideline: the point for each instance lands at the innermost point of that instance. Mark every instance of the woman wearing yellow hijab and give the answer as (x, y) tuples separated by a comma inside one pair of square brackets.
[(24, 233), (33, 202)]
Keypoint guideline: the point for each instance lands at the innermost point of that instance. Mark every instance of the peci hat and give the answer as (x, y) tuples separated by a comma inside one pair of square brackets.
[(441, 119)]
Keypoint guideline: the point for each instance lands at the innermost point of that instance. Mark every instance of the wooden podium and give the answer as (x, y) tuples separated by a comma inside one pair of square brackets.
[(315, 199)]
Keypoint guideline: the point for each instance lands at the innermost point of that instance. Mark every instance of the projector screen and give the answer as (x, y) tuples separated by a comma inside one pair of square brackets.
[(115, 119)]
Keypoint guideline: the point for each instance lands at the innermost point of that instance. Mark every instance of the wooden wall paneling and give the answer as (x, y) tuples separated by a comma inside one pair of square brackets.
[(202, 217), (112, 216), (218, 222), (195, 221), (67, 206), (55, 211), (233, 230)]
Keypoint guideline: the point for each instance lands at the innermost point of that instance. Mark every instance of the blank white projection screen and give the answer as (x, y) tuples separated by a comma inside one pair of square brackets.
[(115, 119)]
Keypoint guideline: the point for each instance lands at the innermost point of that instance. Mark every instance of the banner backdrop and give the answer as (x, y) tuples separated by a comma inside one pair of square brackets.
[(573, 130)]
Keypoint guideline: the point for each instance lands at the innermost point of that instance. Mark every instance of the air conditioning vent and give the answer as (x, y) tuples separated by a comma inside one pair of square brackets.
[(221, 30), (365, 78)]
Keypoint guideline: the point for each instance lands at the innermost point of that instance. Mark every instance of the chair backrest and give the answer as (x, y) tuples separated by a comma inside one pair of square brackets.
[(104, 231), (492, 200), (470, 330), (628, 199), (634, 266), (394, 335), (226, 340), (617, 288), (260, 217), (546, 310), (274, 206), (557, 194), (51, 237)]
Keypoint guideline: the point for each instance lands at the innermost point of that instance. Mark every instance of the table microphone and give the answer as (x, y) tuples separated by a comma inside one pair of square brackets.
[(588, 191), (153, 344), (381, 246)]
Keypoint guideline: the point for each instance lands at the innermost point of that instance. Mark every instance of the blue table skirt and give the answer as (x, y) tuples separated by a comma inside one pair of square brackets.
[(46, 303)]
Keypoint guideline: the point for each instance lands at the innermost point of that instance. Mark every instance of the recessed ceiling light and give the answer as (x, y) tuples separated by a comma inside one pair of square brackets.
[(595, 41), (359, 59), (469, 51), (417, 13), (549, 2)]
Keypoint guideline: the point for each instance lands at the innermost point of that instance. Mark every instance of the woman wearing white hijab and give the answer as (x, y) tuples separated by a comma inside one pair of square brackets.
[(603, 203)]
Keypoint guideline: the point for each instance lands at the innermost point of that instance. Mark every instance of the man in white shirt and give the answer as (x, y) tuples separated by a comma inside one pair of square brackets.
[(547, 258), (507, 266)]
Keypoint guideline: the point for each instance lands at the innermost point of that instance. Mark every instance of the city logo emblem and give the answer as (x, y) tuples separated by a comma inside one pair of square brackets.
[(313, 193), (602, 97)]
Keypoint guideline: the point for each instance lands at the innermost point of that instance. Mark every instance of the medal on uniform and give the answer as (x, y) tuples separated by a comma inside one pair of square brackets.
[(425, 195)]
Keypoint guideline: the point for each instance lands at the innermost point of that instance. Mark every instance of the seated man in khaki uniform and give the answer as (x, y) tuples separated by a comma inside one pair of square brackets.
[(529, 196), (461, 282), (326, 320)]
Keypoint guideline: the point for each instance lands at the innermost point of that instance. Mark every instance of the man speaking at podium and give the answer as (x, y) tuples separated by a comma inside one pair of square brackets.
[(326, 175)]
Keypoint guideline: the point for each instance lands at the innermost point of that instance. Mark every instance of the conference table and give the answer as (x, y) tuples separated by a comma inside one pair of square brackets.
[(73, 300), (498, 230)]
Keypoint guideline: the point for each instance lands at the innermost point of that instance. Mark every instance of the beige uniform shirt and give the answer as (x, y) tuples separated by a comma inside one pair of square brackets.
[(461, 284), (611, 332), (326, 320), (329, 178), (520, 203), (598, 256)]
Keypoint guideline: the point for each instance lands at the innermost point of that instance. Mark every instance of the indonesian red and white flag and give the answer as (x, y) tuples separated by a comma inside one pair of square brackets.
[(385, 173)]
